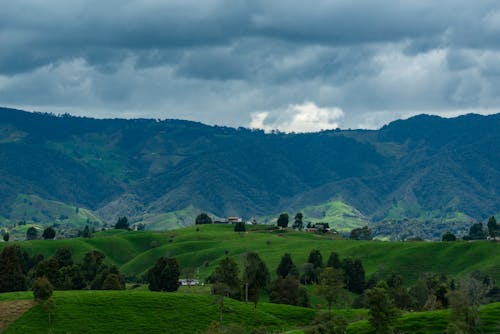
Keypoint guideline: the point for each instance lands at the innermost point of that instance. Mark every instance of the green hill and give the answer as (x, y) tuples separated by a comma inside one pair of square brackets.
[(156, 312), (203, 246), (149, 312), (424, 171)]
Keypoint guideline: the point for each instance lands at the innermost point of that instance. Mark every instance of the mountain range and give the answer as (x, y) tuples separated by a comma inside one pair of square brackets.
[(415, 177)]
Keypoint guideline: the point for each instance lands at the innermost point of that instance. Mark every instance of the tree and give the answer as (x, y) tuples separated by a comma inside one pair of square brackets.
[(240, 227), (6, 237), (203, 218), (298, 224), (382, 312), (226, 276), (164, 275), (315, 258), (71, 278), (493, 228), (448, 236), (92, 261), (363, 233), (122, 223), (354, 275), (49, 233), (86, 232), (334, 261), (112, 282), (327, 324), (42, 289), (31, 233), (49, 269), (288, 291), (286, 266), (476, 232), (11, 273), (283, 220), (331, 286), (464, 305), (63, 257), (255, 276)]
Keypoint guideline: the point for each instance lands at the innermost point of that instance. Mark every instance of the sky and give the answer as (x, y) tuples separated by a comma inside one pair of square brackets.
[(288, 65)]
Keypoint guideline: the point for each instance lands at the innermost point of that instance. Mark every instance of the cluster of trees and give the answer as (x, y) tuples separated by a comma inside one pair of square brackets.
[(361, 233), (164, 275), (477, 231), (298, 224), (288, 287), (18, 271)]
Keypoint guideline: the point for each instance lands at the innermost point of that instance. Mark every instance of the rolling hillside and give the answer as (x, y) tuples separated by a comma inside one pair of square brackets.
[(202, 249), (424, 170)]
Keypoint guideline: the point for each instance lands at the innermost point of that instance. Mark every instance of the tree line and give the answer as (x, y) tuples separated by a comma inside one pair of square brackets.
[(19, 271)]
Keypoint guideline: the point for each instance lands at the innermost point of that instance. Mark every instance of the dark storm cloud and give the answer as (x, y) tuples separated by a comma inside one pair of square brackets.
[(353, 63)]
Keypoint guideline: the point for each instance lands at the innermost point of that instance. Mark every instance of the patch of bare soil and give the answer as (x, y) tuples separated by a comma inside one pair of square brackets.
[(10, 311)]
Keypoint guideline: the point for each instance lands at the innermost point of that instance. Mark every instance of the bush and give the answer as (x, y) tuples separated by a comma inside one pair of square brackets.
[(49, 233), (42, 289), (203, 218)]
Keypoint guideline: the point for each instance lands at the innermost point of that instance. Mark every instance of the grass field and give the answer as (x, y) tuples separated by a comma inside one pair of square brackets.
[(133, 311), (149, 312), (202, 247)]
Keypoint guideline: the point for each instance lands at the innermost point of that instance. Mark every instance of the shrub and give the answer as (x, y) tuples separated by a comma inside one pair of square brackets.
[(42, 289)]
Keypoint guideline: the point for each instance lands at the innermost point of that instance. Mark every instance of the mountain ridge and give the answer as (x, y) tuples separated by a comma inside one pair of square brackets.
[(425, 167)]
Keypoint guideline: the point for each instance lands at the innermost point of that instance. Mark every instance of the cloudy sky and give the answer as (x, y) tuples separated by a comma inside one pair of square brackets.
[(292, 65)]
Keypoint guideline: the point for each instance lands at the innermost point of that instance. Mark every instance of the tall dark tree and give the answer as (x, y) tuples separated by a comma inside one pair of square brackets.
[(315, 258), (86, 233), (11, 273), (226, 277), (31, 233), (255, 276), (298, 224), (203, 218), (286, 266), (354, 275), (6, 236), (49, 233), (164, 275), (334, 261), (493, 228), (283, 220), (64, 257), (122, 223), (90, 264), (288, 291)]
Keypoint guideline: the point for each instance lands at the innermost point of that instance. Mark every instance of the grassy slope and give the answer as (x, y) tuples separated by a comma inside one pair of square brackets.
[(170, 220), (339, 215), (434, 322), (144, 311), (37, 210), (148, 312), (133, 253)]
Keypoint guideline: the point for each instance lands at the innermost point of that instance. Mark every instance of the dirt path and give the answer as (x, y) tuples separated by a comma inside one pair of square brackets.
[(10, 311)]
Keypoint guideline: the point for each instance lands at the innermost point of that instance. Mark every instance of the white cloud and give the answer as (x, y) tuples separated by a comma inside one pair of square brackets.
[(306, 117)]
